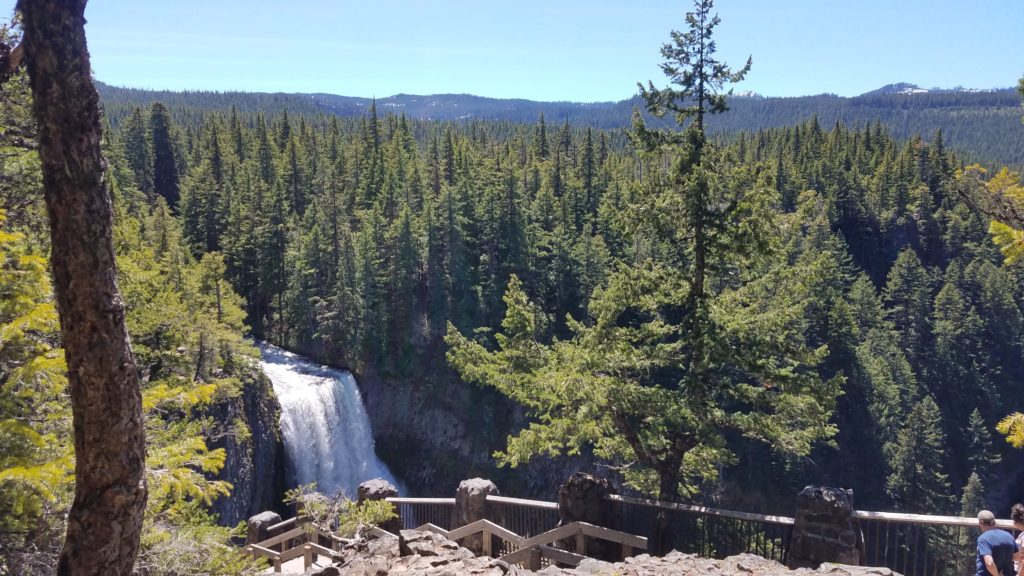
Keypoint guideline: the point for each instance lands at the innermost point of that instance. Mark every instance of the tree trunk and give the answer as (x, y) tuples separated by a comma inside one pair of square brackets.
[(664, 538), (110, 490)]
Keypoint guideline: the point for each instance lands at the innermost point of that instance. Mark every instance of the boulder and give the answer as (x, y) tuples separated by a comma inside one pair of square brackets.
[(380, 489), (259, 527), (376, 489)]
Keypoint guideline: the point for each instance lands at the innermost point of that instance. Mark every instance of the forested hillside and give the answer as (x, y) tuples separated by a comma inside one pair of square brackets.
[(981, 125), (698, 297), (201, 386), (358, 241)]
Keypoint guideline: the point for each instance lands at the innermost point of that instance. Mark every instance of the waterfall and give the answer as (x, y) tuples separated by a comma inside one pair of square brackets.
[(327, 435)]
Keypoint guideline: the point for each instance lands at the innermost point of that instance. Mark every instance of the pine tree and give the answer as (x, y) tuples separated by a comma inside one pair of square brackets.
[(264, 155), (907, 298), (973, 499), (588, 175), (981, 454), (918, 481), (137, 151), (448, 156), (540, 140), (165, 165), (652, 382), (403, 279), (35, 455)]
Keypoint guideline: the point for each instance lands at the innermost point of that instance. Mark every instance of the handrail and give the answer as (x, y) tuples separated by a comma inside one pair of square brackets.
[(610, 535), (254, 548), (928, 519), (563, 556), (484, 526), (286, 523), (524, 502), (304, 548), (701, 509), (274, 557), (560, 533), (528, 547), (380, 532), (322, 550), (925, 519), (428, 527), (289, 535), (292, 553), (403, 500)]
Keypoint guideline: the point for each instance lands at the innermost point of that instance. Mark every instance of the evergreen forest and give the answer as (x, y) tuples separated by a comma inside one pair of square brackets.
[(359, 241), (718, 315)]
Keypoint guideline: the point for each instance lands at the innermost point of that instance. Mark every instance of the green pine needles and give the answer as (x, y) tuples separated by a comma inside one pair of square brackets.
[(691, 340)]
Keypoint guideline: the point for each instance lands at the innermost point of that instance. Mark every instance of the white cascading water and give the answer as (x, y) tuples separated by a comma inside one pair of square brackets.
[(326, 433)]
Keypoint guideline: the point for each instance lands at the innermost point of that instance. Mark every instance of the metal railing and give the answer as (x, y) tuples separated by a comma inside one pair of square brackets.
[(708, 532), (419, 511), (524, 517), (919, 544), (911, 544)]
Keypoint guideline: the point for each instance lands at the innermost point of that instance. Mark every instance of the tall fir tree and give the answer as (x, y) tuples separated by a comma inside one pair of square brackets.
[(165, 164)]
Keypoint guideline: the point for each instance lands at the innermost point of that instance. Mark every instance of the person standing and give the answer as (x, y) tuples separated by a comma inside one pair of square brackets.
[(995, 548), (1017, 515)]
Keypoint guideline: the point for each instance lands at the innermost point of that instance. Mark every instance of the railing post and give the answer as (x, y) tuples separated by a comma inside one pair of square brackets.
[(535, 558), (277, 564), (581, 542), (584, 498), (307, 556), (470, 506), (258, 527), (487, 542), (823, 530)]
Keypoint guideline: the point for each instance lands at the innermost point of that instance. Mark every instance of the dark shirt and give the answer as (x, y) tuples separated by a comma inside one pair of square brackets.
[(1000, 545)]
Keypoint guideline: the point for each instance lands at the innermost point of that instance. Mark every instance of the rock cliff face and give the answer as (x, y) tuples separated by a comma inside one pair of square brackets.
[(432, 435), (433, 431), (255, 456)]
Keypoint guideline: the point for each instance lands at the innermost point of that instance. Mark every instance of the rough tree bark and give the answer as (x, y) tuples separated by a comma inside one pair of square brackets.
[(110, 490)]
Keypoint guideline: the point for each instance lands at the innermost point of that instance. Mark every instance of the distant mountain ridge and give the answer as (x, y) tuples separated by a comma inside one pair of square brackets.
[(908, 88), (898, 88), (983, 125)]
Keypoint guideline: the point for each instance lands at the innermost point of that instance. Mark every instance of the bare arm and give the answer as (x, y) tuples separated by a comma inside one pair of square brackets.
[(990, 565)]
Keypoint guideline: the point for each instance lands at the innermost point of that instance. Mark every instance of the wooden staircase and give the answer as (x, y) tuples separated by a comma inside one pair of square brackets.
[(529, 552)]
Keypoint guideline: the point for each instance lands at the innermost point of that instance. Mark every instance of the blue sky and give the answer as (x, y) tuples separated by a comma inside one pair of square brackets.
[(544, 49)]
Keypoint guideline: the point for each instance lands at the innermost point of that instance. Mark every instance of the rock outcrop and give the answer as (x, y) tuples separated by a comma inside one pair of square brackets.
[(254, 463), (429, 554), (258, 527), (379, 489), (412, 552)]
